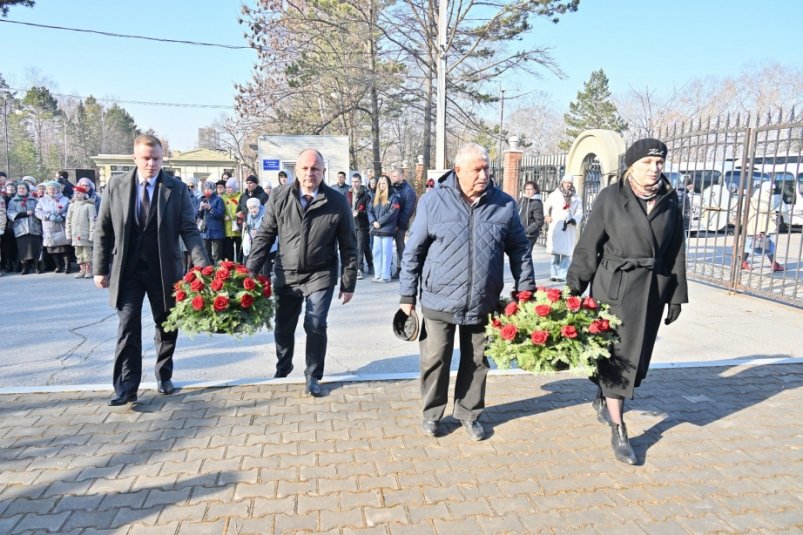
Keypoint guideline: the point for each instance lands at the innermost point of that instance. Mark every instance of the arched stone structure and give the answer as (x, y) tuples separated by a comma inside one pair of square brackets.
[(606, 145)]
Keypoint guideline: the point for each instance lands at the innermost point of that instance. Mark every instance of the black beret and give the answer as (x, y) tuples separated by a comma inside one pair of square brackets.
[(643, 148)]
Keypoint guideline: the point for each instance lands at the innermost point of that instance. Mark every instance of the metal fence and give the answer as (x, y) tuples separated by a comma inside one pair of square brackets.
[(545, 171), (743, 180)]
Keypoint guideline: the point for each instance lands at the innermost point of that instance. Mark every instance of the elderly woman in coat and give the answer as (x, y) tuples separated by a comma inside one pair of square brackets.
[(761, 226), (562, 210), (632, 254), (52, 211), (27, 227)]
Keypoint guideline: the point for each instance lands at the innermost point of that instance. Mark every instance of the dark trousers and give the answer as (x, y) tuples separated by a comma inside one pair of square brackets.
[(436, 345), (214, 250), (364, 248), (128, 355), (398, 237), (231, 248), (288, 309)]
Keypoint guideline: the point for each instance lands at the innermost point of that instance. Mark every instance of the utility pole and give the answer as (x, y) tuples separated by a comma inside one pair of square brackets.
[(440, 122), (5, 127), (501, 124)]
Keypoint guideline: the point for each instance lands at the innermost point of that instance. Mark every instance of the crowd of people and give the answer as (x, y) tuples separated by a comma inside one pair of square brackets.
[(311, 236)]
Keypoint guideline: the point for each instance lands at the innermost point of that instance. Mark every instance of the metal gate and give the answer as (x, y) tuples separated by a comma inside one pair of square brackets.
[(592, 177), (744, 182)]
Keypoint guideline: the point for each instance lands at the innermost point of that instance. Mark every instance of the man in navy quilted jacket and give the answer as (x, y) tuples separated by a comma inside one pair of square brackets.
[(454, 259)]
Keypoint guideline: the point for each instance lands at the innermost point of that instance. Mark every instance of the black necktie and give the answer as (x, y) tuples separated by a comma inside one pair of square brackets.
[(145, 204), (308, 199)]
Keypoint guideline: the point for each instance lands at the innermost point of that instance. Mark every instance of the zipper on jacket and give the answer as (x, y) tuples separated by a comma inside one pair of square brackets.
[(470, 256)]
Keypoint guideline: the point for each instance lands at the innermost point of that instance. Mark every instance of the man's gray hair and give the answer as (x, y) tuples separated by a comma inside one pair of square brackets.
[(470, 150), (398, 171)]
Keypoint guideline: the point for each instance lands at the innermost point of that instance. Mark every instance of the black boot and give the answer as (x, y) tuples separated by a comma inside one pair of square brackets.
[(57, 261), (601, 408), (67, 264), (24, 270), (621, 445)]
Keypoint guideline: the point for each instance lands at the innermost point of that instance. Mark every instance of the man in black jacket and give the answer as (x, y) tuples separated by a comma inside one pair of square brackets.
[(312, 223), (252, 189), (359, 199), (531, 212)]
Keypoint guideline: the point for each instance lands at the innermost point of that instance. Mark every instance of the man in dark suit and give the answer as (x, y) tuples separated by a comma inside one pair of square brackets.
[(136, 252), (312, 223)]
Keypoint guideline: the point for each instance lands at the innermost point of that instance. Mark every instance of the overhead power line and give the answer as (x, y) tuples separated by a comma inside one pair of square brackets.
[(140, 102), (129, 36)]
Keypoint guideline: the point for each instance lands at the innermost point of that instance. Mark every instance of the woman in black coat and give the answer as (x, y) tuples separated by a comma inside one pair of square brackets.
[(632, 254)]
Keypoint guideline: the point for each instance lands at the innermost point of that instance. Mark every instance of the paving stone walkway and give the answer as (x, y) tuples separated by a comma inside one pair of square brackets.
[(721, 451)]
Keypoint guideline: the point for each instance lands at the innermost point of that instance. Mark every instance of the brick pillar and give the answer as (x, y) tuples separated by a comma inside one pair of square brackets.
[(510, 180), (420, 176)]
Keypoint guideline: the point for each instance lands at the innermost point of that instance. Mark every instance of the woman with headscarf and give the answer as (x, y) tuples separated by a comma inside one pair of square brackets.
[(632, 254), (52, 212), (253, 220), (91, 192), (8, 245), (761, 226), (562, 211), (27, 227)]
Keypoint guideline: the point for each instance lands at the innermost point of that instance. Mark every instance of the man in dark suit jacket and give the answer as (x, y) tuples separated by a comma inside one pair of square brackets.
[(136, 252)]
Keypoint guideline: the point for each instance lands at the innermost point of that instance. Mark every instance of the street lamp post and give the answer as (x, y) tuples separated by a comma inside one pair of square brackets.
[(5, 131)]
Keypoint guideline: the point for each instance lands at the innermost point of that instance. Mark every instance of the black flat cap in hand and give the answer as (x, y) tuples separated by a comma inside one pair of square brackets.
[(405, 327)]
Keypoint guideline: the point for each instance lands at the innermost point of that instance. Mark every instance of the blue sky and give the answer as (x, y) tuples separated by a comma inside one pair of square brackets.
[(639, 43)]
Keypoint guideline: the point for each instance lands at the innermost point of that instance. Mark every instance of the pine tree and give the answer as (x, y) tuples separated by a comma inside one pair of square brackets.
[(592, 109)]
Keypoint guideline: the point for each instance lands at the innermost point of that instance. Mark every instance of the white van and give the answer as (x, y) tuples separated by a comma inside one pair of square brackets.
[(788, 179)]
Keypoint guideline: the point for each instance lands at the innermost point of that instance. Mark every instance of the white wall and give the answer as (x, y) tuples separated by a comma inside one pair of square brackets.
[(335, 150)]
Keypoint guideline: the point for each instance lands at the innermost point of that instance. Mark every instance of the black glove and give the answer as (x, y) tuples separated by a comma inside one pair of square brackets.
[(572, 222), (672, 313), (565, 224)]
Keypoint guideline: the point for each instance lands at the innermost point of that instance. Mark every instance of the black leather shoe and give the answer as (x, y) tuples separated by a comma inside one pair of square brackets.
[(122, 400), (165, 387), (474, 429), (621, 445), (313, 387), (279, 374), (430, 428)]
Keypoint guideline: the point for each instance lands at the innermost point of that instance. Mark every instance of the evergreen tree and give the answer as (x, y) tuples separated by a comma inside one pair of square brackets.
[(592, 108)]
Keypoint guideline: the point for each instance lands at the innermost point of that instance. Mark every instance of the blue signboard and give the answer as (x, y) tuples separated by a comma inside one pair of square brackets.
[(270, 165)]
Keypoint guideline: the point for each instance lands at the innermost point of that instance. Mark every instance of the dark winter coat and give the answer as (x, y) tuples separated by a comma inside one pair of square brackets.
[(310, 241), (454, 254), (637, 264), (359, 204), (387, 215), (531, 213), (343, 190), (258, 192), (213, 218), (408, 199)]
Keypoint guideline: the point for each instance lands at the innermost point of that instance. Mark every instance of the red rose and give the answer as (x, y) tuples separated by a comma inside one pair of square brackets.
[(189, 277), (590, 303), (242, 270), (216, 285), (604, 325), (540, 288), (594, 328), (568, 331), (511, 309), (197, 268), (197, 285), (222, 274), (496, 324), (197, 302), (525, 296), (266, 290), (208, 270), (180, 296), (539, 338), (263, 279), (177, 286), (246, 301), (249, 284), (574, 303), (553, 294), (543, 310), (228, 264), (509, 332), (221, 303)]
